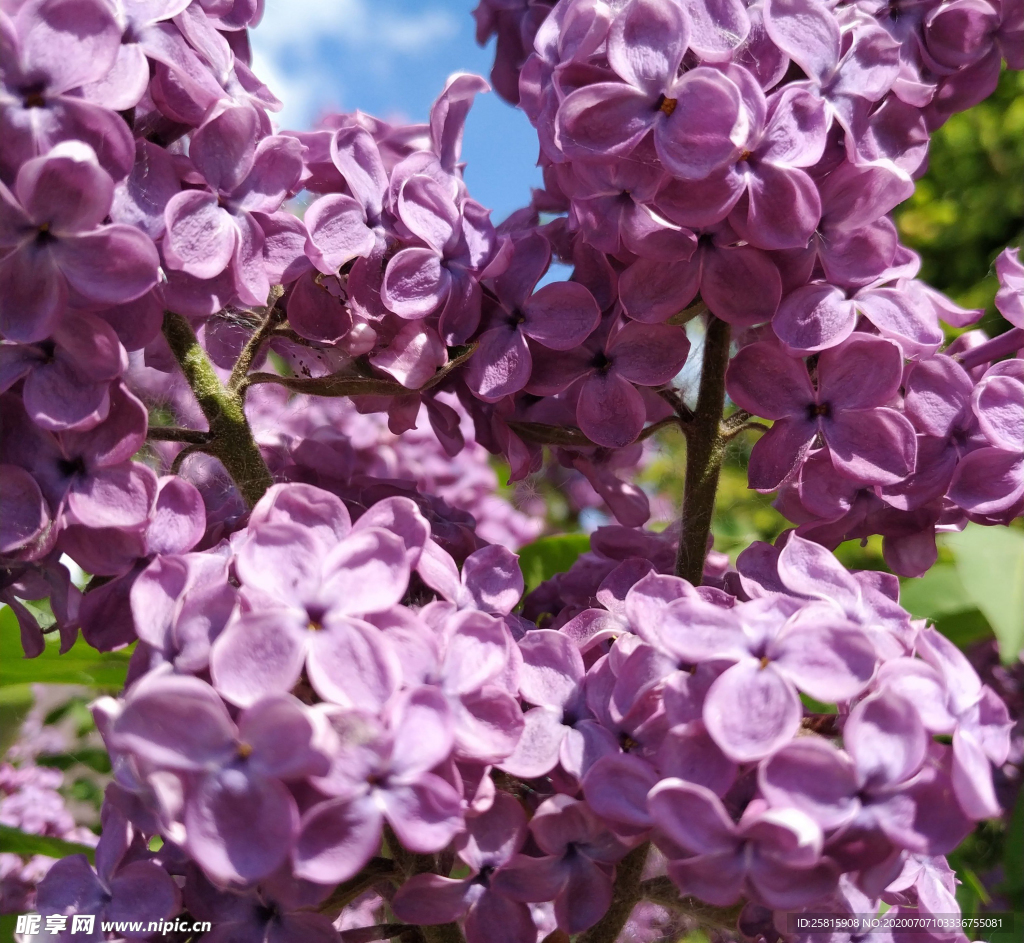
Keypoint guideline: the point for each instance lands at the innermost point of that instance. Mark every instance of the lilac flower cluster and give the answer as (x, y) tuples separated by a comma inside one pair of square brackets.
[(97, 99), (30, 802), (747, 156), (291, 704)]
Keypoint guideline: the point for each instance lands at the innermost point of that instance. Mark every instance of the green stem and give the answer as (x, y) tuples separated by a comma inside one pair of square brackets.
[(628, 873), (374, 872), (661, 890), (175, 434), (409, 864), (274, 316), (231, 438), (705, 449)]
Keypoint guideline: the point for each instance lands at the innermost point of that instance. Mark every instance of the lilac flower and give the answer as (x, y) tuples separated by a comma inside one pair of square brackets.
[(577, 868), (278, 908), (855, 241), (303, 609), (559, 316), (560, 728), (610, 411), (127, 884), (885, 783), (490, 581), (382, 773), (951, 700), (738, 283), (240, 820), (1010, 296), (752, 708), (23, 512), (610, 204), (37, 581), (698, 119), (990, 481), (456, 246), (867, 440), (67, 379), (56, 247), (490, 841), (819, 315), (770, 201), (176, 523), (343, 227), (472, 660), (51, 49), (180, 603), (937, 401), (127, 81), (805, 569), (208, 232), (850, 74), (773, 856), (88, 473)]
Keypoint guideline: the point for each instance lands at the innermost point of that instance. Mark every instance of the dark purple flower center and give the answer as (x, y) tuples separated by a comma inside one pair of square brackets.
[(71, 467), (316, 614), (44, 236), (601, 363), (484, 877), (819, 411), (32, 96)]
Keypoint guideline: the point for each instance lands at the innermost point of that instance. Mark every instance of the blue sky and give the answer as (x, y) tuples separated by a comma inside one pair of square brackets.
[(391, 58)]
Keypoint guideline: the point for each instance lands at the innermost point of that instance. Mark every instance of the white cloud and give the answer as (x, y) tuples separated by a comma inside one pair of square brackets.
[(291, 48), (363, 23)]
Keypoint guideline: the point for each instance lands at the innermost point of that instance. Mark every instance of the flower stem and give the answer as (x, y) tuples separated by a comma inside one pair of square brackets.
[(231, 439), (705, 449), (627, 895), (272, 318)]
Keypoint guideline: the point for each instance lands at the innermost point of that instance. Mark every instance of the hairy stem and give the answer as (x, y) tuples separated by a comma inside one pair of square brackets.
[(375, 871), (176, 434), (627, 895), (661, 890), (409, 864), (705, 449), (231, 438), (274, 316)]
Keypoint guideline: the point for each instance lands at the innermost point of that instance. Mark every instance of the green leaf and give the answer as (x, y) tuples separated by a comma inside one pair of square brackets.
[(990, 564), (965, 628), (103, 671), (95, 758), (17, 842), (939, 592), (941, 596), (550, 555)]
